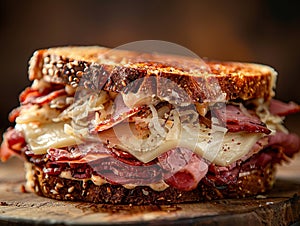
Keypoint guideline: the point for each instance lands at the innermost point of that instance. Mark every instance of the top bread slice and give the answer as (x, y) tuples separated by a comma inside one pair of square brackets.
[(115, 69)]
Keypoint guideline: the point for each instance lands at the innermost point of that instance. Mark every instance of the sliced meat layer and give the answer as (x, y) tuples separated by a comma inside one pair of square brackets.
[(280, 108), (33, 96), (94, 158), (183, 169), (121, 113), (289, 143), (13, 142), (237, 120)]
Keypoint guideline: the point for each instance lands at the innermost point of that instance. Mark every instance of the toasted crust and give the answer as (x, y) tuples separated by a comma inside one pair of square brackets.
[(115, 69), (256, 182)]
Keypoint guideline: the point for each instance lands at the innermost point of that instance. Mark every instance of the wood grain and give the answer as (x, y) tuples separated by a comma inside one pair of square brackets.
[(280, 207)]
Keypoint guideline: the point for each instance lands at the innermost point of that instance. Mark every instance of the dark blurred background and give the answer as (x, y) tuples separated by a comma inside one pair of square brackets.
[(265, 32)]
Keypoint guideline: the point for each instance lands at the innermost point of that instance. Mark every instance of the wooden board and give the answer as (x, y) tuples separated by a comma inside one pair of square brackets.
[(280, 207)]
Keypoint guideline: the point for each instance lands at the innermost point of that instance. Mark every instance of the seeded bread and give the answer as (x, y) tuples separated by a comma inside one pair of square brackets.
[(255, 182), (114, 71), (117, 68)]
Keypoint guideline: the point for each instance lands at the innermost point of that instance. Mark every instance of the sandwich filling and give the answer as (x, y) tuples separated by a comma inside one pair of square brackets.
[(133, 139)]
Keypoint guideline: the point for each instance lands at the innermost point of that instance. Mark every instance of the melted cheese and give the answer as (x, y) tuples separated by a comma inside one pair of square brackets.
[(37, 114), (213, 144), (49, 135), (42, 131), (216, 146)]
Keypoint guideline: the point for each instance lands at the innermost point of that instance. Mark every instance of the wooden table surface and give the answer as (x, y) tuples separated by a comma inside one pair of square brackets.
[(280, 207)]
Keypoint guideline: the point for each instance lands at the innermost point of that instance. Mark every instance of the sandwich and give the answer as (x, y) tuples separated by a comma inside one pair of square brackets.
[(122, 127)]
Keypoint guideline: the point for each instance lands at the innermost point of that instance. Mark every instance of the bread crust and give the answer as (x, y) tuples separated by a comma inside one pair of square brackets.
[(256, 182), (117, 68)]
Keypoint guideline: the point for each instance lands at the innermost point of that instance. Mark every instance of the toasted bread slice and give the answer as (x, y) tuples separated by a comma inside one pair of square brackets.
[(257, 181), (118, 68)]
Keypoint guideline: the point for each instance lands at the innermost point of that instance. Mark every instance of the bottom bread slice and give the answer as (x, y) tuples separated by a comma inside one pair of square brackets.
[(256, 181)]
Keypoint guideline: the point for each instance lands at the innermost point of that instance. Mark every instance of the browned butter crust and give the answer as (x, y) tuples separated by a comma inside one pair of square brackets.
[(256, 182), (117, 68)]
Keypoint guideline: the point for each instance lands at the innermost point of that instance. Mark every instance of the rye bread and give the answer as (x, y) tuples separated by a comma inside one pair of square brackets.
[(115, 69), (257, 181)]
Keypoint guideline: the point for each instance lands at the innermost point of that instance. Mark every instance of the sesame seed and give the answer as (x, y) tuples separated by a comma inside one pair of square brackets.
[(47, 59), (69, 65), (58, 186), (54, 192), (59, 65), (56, 73), (45, 190), (79, 73), (50, 71), (73, 84), (145, 192), (47, 66), (70, 189)]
